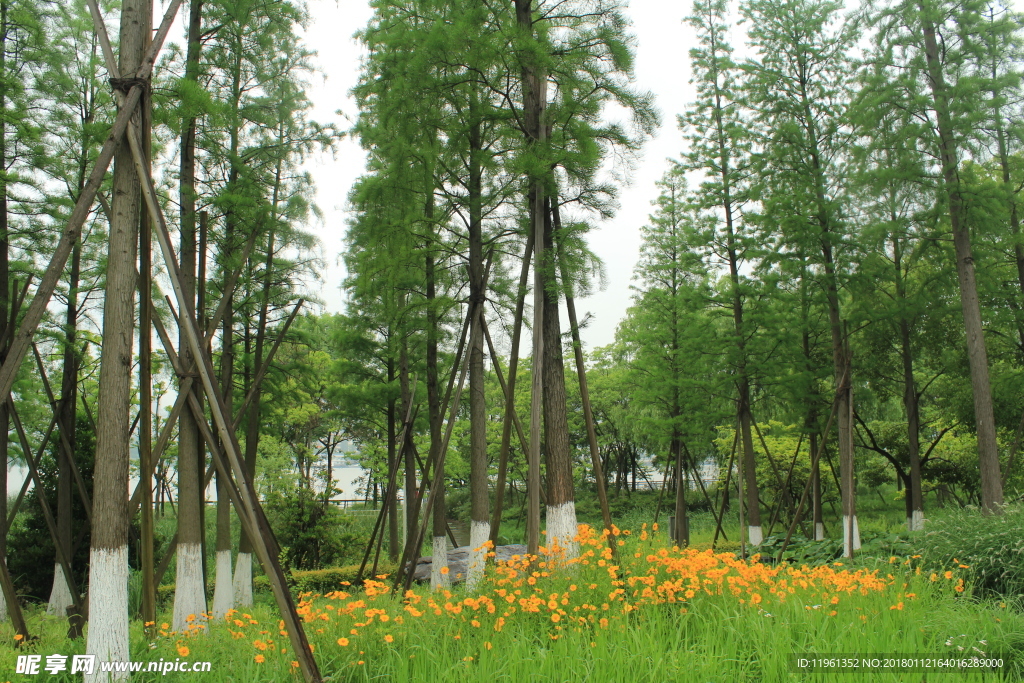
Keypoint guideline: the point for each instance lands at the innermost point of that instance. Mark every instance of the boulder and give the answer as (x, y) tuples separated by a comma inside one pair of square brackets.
[(458, 561)]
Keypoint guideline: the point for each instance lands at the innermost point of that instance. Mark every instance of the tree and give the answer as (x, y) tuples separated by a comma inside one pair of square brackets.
[(948, 80), (108, 559), (799, 90), (720, 147)]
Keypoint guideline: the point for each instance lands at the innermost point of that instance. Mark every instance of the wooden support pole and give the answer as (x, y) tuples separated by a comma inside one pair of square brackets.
[(510, 391), (64, 449), (725, 492), (390, 491), (413, 544)]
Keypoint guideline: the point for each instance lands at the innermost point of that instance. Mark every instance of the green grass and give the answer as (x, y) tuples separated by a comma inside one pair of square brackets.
[(723, 633)]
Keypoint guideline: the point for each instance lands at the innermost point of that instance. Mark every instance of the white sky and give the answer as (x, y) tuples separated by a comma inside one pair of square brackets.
[(662, 66)]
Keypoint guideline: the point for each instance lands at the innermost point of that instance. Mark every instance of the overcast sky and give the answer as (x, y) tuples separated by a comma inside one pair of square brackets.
[(662, 67)]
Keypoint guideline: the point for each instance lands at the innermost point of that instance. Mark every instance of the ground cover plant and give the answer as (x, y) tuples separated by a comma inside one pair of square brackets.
[(645, 613)]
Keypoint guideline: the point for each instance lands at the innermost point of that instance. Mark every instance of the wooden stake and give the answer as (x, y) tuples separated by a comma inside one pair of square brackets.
[(510, 390)]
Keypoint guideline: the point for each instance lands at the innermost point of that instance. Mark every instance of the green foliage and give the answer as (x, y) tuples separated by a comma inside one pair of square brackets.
[(312, 533), (990, 547)]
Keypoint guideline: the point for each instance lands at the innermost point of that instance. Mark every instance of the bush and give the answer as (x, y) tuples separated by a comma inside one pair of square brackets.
[(992, 547), (312, 533)]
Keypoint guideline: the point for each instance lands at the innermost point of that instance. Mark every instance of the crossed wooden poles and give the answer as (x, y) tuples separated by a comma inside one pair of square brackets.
[(226, 460)]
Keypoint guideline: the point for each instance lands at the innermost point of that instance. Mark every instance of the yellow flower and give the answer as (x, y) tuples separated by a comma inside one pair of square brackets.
[(343, 642), (260, 659), (183, 650), (19, 637), (389, 638), (487, 644), (190, 618)]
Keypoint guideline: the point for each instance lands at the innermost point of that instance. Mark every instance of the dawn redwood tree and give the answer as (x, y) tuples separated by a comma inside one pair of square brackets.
[(939, 53), (669, 336), (719, 146), (799, 90), (108, 557), (189, 590)]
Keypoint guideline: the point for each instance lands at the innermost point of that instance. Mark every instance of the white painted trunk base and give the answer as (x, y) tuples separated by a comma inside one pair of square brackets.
[(754, 535), (819, 532), (916, 521), (243, 580), (107, 635), (3, 607), (189, 592), (60, 594), (479, 533), (562, 530), (846, 535), (439, 579), (223, 591)]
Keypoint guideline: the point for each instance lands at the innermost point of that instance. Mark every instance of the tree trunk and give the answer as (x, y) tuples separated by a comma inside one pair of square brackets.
[(682, 527), (914, 496), (561, 505), (190, 591), (108, 557), (480, 525), (534, 87), (60, 594)]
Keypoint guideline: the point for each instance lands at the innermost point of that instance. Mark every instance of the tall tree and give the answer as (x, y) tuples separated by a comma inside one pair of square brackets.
[(800, 90), (719, 146), (108, 559), (951, 80)]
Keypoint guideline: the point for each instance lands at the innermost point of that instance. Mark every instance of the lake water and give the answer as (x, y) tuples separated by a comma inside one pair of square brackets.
[(345, 478)]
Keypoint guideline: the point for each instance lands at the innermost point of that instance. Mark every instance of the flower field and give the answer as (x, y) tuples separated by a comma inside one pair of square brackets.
[(642, 613)]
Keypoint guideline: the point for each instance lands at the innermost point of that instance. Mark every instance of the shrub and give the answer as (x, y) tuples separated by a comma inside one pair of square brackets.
[(992, 547), (312, 532)]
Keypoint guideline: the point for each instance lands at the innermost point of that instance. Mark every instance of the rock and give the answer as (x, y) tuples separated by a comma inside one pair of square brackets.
[(458, 561)]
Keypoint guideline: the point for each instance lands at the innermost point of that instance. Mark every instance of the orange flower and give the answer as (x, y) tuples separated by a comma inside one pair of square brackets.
[(183, 650), (389, 638), (343, 642), (444, 570), (260, 659)]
